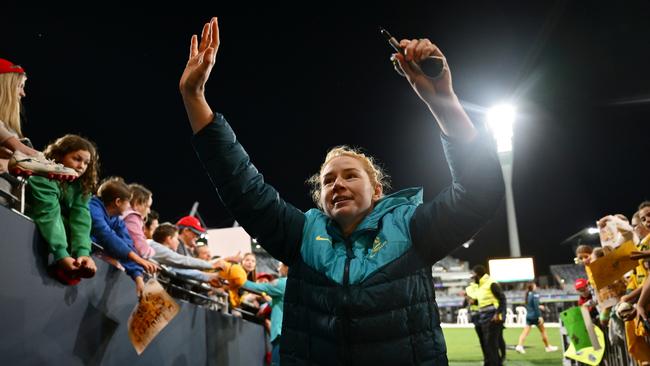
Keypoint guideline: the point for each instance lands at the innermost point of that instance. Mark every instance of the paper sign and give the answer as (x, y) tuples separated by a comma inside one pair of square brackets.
[(612, 233), (588, 355), (605, 270), (152, 313)]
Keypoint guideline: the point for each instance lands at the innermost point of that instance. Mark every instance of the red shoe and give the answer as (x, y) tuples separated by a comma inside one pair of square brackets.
[(65, 278)]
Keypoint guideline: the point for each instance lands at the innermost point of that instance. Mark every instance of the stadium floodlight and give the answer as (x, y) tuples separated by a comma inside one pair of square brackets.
[(501, 119)]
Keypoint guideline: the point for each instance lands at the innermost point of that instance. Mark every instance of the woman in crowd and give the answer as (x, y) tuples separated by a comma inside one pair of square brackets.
[(24, 160), (359, 290)]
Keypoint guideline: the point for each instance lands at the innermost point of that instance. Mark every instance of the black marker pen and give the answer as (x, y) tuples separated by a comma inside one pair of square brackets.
[(431, 66)]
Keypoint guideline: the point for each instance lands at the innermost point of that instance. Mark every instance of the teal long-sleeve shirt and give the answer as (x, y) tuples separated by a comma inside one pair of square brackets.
[(61, 214), (276, 291)]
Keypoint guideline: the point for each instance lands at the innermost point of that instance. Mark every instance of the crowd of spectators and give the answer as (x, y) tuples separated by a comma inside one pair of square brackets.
[(617, 304), (84, 219)]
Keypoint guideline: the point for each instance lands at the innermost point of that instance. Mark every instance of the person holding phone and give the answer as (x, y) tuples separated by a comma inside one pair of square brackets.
[(359, 289)]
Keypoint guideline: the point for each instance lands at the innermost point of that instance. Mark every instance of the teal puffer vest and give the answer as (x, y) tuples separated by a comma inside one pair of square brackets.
[(345, 294)]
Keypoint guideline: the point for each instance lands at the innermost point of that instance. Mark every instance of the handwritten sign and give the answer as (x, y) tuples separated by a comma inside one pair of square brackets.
[(605, 270), (152, 313)]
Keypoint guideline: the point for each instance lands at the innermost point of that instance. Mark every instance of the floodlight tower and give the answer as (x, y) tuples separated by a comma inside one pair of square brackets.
[(501, 119)]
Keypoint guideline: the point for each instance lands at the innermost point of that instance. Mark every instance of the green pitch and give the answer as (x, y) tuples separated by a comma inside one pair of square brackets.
[(463, 348)]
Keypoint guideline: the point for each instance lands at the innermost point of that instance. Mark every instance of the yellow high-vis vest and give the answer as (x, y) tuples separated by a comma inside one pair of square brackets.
[(472, 292), (485, 295)]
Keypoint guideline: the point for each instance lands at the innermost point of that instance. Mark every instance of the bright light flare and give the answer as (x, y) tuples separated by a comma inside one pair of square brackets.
[(501, 119)]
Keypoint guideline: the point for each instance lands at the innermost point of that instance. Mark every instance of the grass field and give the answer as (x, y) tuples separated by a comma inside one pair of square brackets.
[(463, 348)]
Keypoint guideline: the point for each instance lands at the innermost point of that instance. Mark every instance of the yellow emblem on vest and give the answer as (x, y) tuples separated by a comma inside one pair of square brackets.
[(377, 245), (319, 238)]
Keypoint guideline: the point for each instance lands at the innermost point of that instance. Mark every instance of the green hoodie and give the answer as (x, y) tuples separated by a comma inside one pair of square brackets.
[(61, 213)]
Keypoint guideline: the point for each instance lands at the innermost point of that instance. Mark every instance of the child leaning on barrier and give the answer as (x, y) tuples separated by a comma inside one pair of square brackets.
[(134, 217), (109, 231), (165, 244), (60, 209), (150, 224)]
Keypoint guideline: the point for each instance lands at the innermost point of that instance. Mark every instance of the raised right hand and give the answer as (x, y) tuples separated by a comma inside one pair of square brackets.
[(201, 60), (429, 90)]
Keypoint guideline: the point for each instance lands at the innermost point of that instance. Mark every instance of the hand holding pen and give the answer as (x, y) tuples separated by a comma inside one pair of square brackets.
[(425, 67), (431, 65)]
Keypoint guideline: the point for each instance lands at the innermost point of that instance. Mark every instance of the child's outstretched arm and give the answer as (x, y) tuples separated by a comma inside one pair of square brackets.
[(46, 212), (80, 225), (139, 286)]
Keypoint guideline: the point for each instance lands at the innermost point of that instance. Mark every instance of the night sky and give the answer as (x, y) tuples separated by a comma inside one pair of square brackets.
[(293, 86)]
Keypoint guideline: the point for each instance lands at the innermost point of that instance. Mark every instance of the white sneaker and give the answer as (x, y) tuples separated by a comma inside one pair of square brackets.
[(521, 349), (551, 349), (26, 165)]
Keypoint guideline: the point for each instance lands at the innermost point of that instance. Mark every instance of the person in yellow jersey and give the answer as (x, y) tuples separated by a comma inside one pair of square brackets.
[(636, 321), (634, 332), (492, 312), (641, 226)]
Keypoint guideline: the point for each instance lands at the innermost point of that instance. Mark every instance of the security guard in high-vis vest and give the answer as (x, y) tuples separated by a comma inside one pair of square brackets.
[(492, 312), (471, 298), (472, 293)]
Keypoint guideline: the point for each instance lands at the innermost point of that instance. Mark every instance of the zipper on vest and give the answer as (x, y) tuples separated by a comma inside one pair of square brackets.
[(349, 254)]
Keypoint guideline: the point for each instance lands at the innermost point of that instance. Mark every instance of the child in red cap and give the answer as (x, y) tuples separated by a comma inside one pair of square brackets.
[(189, 230), (581, 285)]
